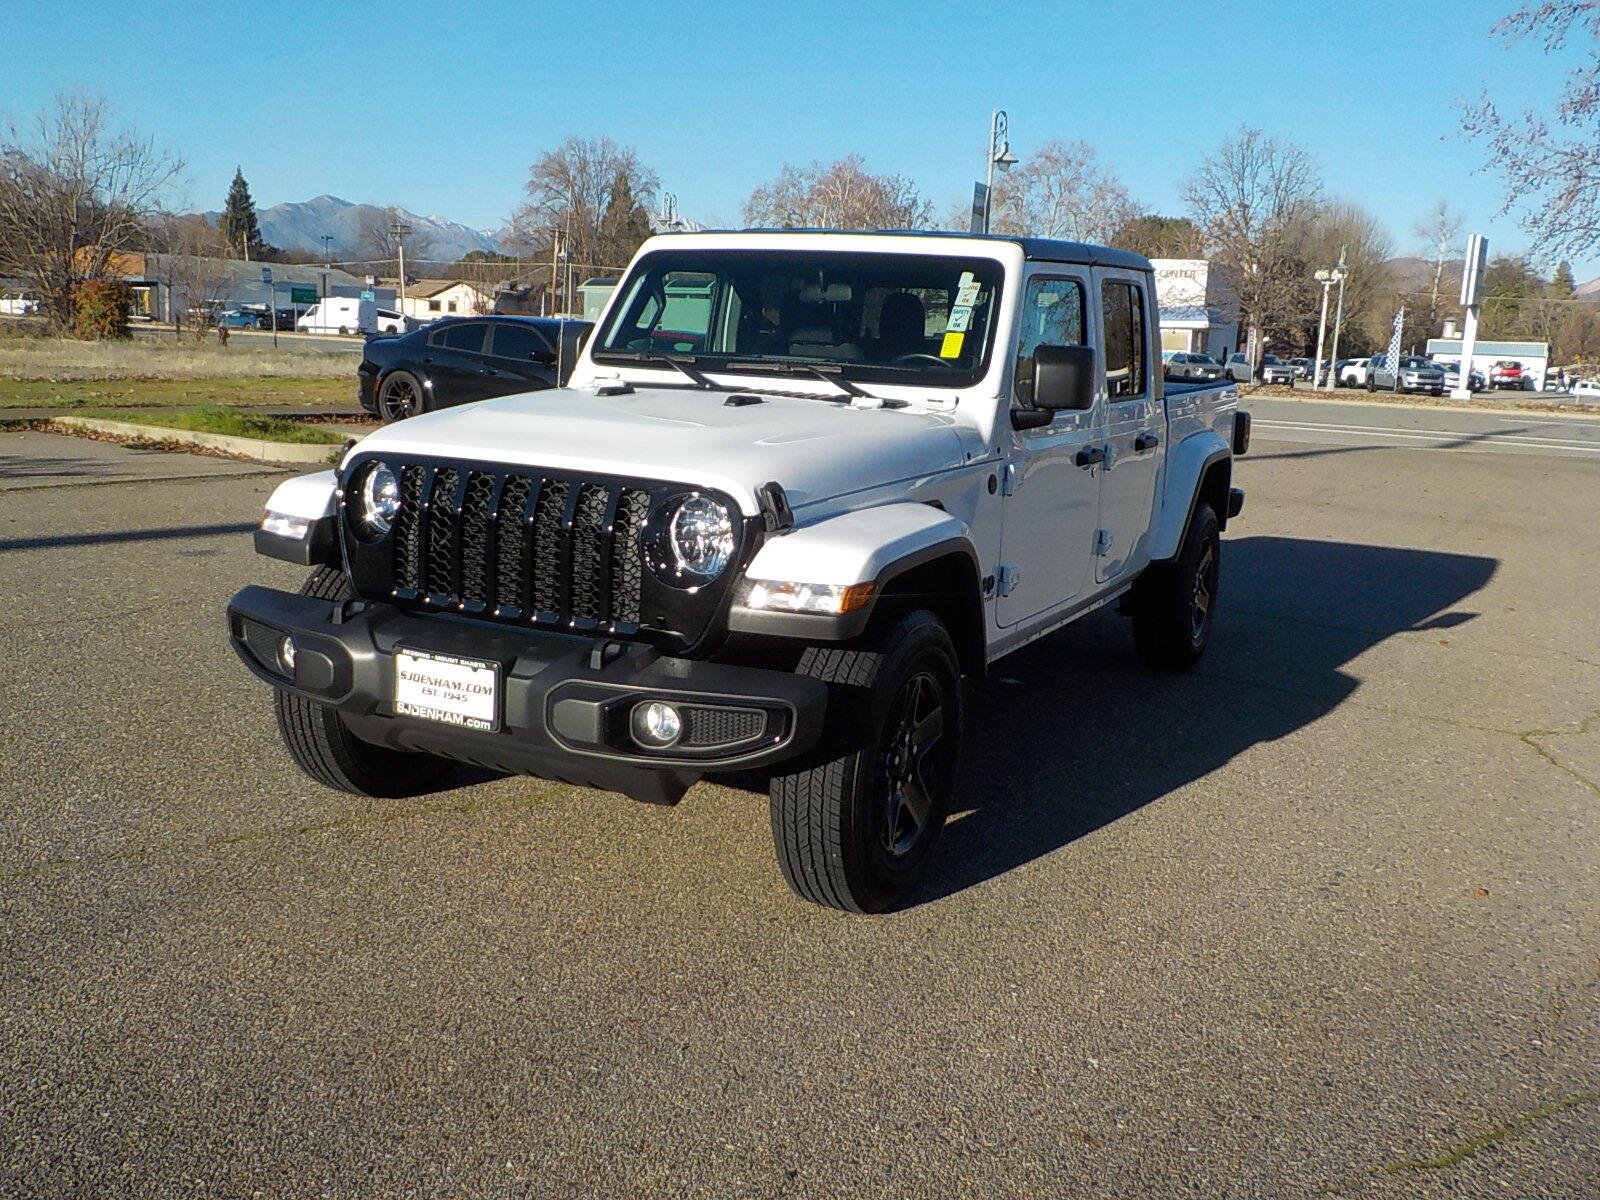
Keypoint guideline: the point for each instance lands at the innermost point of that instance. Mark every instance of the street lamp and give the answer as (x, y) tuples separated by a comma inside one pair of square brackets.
[(999, 156), (327, 249), (1338, 275)]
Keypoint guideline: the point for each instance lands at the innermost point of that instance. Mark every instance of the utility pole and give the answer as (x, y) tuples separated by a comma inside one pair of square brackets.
[(400, 229), (555, 257), (1343, 272), (327, 249)]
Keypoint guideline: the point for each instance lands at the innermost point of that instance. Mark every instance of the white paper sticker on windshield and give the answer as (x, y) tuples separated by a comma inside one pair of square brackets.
[(960, 320), (968, 295)]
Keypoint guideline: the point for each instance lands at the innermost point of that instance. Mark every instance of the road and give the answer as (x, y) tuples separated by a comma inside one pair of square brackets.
[(1322, 917), (1356, 424)]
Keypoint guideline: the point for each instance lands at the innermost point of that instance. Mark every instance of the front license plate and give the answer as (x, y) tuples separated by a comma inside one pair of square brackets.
[(442, 687)]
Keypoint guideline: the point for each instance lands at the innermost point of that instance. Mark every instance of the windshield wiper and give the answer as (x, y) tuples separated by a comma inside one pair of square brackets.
[(833, 375), (683, 363)]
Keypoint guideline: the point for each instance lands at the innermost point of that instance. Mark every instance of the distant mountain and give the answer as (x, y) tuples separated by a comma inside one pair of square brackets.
[(1589, 291), (1414, 274), (300, 225)]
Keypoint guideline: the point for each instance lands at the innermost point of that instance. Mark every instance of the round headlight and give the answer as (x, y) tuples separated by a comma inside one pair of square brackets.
[(380, 498), (700, 536)]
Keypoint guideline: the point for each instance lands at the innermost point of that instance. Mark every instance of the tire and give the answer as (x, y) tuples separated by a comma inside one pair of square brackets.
[(400, 396), (344, 329), (324, 748), (847, 833), (1174, 603)]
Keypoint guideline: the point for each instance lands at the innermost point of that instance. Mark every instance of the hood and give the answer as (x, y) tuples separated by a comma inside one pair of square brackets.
[(816, 448)]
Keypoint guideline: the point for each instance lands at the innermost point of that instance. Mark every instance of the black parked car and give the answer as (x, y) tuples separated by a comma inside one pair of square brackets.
[(461, 359)]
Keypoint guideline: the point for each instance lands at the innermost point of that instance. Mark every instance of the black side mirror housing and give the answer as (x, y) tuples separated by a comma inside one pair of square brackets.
[(1063, 377)]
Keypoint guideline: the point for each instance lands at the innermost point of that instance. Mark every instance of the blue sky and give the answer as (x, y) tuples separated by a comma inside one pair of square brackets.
[(442, 107)]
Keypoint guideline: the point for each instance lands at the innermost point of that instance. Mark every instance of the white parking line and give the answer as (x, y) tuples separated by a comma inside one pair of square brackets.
[(1473, 439)]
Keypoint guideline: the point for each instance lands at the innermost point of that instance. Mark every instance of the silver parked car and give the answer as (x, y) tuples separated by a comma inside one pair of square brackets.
[(1476, 381), (1416, 374), (1276, 370), (1181, 364)]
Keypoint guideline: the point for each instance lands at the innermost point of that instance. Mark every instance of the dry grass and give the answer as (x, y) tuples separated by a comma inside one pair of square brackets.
[(246, 391), (63, 359)]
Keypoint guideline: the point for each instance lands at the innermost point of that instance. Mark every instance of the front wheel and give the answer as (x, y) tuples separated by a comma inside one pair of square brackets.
[(857, 832), (322, 745), (1174, 603), (399, 397)]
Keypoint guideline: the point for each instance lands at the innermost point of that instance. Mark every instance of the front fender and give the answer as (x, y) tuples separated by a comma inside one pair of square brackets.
[(868, 545), (312, 499), (1187, 464)]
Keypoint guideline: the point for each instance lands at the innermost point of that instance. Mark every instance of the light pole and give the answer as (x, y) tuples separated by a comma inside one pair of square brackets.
[(400, 229), (1340, 274), (327, 249), (999, 156)]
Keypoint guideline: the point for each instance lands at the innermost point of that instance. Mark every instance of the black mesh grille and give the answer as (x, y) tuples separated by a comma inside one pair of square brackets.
[(440, 569), (627, 563), (511, 543), (521, 547), (476, 536), (721, 726)]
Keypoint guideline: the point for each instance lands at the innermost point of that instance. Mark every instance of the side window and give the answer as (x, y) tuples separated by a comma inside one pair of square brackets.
[(521, 342), (467, 336), (1124, 338), (1052, 315)]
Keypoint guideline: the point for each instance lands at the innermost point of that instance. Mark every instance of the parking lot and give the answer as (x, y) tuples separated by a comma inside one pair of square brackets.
[(1320, 918)]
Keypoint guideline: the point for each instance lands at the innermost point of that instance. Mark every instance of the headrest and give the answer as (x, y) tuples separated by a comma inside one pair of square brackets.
[(834, 293)]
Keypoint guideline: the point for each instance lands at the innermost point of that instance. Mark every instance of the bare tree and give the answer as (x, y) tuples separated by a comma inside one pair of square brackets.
[(1155, 236), (1061, 191), (378, 240), (1252, 200), (1551, 170), (843, 195), (74, 194), (1438, 232), (193, 262), (572, 189)]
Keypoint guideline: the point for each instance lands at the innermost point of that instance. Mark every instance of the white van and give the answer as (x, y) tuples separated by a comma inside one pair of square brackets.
[(339, 314)]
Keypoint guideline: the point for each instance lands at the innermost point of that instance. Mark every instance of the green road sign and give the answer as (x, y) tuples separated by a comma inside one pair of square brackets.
[(302, 295)]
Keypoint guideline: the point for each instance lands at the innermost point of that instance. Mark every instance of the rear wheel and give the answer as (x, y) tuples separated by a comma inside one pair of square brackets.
[(322, 745), (400, 396), (857, 832), (1174, 603)]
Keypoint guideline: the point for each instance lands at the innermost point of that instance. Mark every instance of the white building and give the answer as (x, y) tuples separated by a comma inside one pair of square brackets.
[(1534, 356), (430, 299), (1199, 307)]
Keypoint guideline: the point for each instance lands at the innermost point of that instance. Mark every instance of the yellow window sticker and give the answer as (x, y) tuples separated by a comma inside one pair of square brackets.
[(951, 348)]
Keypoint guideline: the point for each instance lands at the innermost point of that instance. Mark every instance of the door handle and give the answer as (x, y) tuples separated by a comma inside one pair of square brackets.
[(1146, 441), (1090, 456)]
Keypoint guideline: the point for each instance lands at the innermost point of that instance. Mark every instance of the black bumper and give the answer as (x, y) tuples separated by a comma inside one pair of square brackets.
[(564, 700)]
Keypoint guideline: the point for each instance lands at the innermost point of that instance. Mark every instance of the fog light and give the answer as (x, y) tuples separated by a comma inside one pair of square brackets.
[(656, 724), (286, 655)]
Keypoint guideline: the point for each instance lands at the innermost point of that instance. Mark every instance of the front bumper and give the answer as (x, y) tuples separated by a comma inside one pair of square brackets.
[(564, 703)]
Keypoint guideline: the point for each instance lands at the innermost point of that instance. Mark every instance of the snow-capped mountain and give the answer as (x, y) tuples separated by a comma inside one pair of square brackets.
[(300, 225)]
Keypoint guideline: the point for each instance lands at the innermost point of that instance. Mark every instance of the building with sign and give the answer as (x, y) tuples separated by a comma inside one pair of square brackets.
[(1199, 307)]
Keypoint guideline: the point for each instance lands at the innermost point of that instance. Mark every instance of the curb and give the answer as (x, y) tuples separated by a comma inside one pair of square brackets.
[(262, 451), (1592, 413)]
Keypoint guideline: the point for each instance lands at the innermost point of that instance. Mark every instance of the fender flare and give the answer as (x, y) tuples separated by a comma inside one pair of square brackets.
[(868, 545), (1186, 469), (313, 498)]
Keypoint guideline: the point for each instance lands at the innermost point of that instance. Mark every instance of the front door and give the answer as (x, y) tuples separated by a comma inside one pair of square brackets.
[(457, 363), (1134, 425), (1052, 496)]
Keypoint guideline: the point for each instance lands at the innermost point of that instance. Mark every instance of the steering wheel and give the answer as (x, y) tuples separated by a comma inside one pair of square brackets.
[(925, 358)]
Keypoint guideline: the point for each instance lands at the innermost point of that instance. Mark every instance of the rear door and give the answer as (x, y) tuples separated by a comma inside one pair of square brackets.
[(457, 365), (1135, 423)]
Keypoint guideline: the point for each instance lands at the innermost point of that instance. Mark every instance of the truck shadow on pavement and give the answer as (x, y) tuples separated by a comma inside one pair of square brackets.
[(1073, 733)]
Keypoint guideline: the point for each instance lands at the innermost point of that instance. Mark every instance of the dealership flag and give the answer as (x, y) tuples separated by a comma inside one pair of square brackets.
[(1393, 357)]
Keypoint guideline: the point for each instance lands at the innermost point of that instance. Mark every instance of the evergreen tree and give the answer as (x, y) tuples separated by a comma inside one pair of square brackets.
[(624, 225), (238, 222), (1563, 284)]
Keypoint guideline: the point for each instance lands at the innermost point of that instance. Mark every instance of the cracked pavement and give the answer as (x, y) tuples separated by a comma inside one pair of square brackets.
[(1319, 918)]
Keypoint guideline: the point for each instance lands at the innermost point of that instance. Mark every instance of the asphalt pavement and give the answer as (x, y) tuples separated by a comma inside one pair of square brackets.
[(1319, 918), (1354, 423)]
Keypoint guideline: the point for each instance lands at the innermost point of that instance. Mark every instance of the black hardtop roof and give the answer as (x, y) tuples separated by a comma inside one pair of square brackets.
[(1038, 249)]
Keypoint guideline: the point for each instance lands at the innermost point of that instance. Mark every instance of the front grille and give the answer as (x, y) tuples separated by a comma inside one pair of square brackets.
[(520, 547)]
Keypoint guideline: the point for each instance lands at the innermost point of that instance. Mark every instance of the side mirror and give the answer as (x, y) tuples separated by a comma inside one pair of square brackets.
[(1063, 377)]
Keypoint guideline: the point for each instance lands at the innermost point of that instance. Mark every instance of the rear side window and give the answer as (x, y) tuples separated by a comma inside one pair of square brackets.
[(521, 342), (1124, 338), (468, 337)]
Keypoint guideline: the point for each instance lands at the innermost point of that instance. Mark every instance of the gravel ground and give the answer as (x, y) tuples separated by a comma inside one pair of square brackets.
[(1319, 918)]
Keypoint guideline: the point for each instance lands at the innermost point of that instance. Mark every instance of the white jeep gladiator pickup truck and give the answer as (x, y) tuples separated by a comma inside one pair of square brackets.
[(799, 487)]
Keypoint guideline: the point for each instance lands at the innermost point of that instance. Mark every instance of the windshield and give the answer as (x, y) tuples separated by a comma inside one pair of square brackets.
[(893, 318)]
